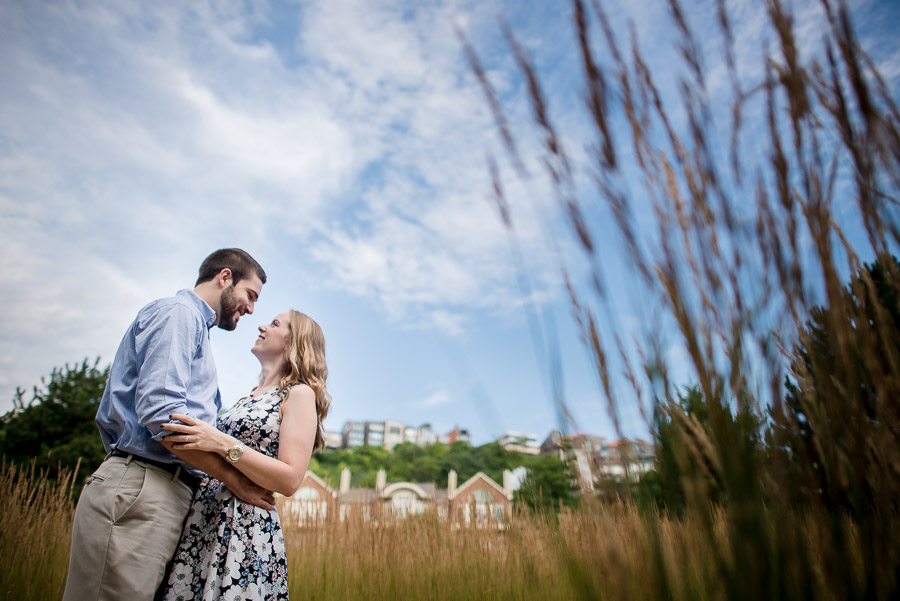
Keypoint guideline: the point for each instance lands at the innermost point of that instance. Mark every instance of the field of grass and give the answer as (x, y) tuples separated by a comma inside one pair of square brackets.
[(611, 551)]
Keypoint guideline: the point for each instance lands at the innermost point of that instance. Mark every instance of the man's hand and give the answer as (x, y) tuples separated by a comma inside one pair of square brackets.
[(247, 491)]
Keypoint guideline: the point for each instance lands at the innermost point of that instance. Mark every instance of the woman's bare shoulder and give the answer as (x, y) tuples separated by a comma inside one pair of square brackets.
[(300, 393)]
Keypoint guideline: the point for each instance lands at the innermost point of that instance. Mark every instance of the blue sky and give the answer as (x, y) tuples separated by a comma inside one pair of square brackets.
[(343, 144)]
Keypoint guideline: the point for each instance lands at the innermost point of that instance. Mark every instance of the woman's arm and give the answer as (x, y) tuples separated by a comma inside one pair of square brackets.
[(216, 467), (296, 438)]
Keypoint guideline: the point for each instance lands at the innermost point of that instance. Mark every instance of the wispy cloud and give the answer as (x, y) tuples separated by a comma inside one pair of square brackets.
[(441, 397)]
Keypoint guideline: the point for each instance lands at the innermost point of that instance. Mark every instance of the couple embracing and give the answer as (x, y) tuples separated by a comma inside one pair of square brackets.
[(182, 506)]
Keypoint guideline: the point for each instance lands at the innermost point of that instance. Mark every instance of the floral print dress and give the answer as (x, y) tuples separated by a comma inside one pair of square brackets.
[(230, 549)]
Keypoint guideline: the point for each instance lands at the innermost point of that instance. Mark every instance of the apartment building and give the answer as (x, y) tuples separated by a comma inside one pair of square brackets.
[(386, 434), (593, 457), (456, 435), (353, 435), (334, 440), (375, 434), (520, 442), (393, 434)]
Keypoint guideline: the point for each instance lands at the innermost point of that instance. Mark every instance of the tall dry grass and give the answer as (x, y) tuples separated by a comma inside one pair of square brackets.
[(751, 266), (599, 551), (35, 532)]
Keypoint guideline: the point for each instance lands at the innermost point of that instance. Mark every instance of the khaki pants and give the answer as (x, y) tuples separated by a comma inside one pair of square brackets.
[(127, 525)]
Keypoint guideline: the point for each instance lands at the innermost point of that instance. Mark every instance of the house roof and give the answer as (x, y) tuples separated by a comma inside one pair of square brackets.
[(416, 488), (425, 490), (357, 495), (312, 476), (481, 476)]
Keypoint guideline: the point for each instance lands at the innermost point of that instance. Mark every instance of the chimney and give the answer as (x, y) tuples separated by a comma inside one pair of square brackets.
[(345, 480), (451, 484), (507, 484), (380, 481)]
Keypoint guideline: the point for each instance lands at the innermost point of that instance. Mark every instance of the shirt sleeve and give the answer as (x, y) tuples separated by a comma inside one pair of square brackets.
[(165, 345)]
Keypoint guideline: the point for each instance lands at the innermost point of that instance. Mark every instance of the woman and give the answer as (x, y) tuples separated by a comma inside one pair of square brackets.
[(230, 549)]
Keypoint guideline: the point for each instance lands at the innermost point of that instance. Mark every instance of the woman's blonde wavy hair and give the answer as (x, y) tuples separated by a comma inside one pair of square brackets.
[(304, 356)]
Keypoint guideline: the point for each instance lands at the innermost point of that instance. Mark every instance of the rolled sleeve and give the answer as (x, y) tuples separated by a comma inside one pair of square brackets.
[(165, 343)]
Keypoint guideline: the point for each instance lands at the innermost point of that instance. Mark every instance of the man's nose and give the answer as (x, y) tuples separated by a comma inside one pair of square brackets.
[(250, 308)]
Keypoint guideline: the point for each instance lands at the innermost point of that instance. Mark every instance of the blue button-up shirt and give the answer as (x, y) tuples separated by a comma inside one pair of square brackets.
[(164, 365)]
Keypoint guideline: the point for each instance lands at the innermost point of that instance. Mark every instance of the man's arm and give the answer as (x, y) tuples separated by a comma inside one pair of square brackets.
[(219, 469), (165, 343)]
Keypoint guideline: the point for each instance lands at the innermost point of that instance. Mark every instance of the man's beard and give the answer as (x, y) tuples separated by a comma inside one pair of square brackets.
[(228, 308)]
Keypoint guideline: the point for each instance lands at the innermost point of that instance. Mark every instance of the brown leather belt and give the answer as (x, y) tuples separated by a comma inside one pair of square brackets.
[(185, 476)]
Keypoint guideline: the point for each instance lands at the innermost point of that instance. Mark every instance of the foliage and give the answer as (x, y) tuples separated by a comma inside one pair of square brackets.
[(547, 486), (729, 200), (685, 443), (838, 426), (56, 427)]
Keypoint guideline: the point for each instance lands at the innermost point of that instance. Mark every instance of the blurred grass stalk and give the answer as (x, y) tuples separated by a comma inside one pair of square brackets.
[(790, 481)]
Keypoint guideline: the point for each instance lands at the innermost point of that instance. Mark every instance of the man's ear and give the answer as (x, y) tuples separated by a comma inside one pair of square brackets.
[(224, 278)]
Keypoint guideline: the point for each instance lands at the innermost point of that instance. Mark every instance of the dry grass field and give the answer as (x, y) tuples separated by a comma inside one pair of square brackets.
[(597, 552)]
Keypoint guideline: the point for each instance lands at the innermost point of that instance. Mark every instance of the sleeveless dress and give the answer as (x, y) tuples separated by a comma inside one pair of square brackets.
[(230, 549)]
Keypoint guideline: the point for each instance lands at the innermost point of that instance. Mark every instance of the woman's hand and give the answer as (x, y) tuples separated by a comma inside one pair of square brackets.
[(196, 435)]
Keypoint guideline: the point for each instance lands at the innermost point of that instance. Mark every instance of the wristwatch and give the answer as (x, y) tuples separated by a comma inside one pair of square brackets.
[(233, 454)]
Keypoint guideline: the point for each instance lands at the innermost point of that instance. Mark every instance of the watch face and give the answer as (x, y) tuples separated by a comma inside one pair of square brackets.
[(234, 453)]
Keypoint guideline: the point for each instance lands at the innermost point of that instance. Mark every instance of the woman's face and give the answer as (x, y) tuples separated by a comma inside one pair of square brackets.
[(272, 337)]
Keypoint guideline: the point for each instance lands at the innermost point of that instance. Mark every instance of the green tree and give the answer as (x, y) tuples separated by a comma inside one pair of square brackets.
[(56, 427), (408, 462), (547, 486), (838, 426), (694, 448)]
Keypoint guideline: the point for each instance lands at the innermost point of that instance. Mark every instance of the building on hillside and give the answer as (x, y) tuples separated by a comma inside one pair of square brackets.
[(422, 436), (520, 442), (456, 435), (627, 459), (592, 457), (386, 434), (334, 440), (353, 434), (375, 434), (478, 502), (581, 451), (393, 434)]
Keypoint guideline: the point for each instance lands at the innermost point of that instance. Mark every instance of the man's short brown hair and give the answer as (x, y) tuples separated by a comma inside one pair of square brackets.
[(238, 261)]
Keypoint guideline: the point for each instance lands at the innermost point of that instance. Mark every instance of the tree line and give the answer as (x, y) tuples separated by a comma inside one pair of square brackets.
[(54, 430)]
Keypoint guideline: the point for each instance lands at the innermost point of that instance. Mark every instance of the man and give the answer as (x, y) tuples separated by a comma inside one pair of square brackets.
[(131, 510)]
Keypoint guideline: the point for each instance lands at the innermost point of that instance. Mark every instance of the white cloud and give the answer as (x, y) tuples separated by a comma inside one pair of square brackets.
[(441, 397), (136, 138)]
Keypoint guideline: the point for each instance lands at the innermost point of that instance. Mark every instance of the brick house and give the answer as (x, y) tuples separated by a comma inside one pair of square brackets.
[(479, 501)]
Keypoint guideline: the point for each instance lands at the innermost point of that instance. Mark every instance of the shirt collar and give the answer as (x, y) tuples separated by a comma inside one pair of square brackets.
[(209, 316)]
